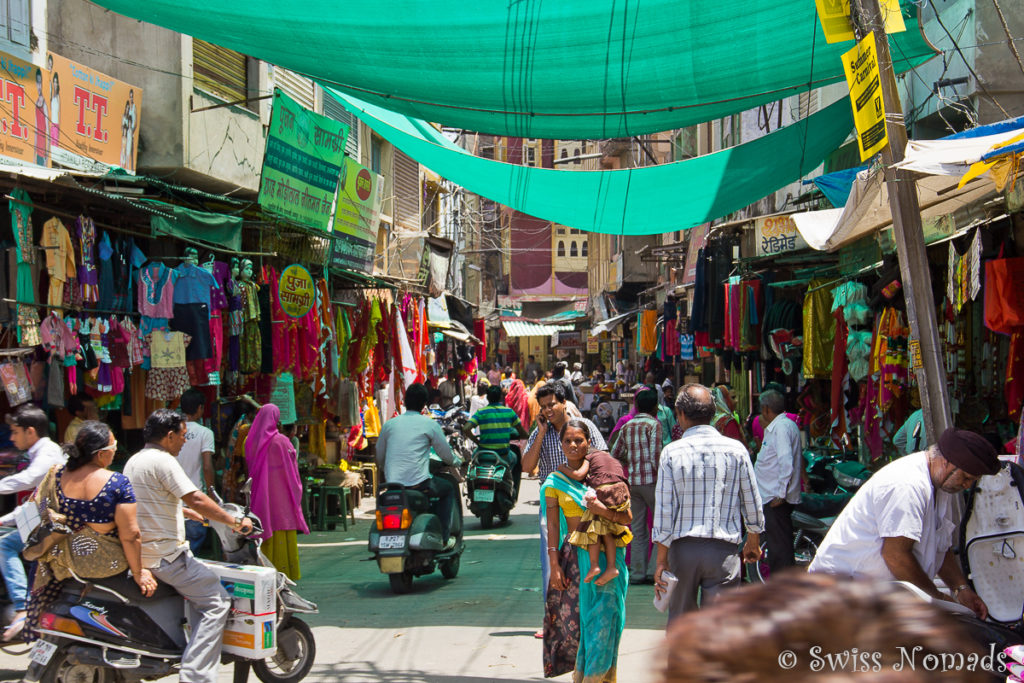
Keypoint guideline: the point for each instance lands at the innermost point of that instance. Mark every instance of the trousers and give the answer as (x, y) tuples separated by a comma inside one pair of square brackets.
[(701, 564), (209, 606), (641, 559), (11, 546), (778, 535)]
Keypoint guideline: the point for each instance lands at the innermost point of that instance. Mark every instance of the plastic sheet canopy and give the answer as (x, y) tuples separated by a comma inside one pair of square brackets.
[(565, 69), (640, 201)]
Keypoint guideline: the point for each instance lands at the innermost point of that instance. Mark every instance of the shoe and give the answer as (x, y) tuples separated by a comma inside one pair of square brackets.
[(539, 635), (14, 629), (450, 545)]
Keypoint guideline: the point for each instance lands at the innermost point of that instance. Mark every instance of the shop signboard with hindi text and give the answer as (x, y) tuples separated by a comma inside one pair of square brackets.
[(67, 113), (302, 163), (296, 291), (356, 217), (776, 235)]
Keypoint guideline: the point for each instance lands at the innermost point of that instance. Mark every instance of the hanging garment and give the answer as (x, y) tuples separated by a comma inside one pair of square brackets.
[(648, 333), (819, 330), (156, 291), (105, 278), (21, 224), (60, 259), (168, 377), (193, 285), (251, 340), (88, 277), (194, 320), (1004, 297)]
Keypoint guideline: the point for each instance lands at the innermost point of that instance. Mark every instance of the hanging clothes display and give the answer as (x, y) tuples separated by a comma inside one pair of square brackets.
[(819, 330), (647, 338), (21, 223), (168, 377), (60, 259), (88, 276), (251, 340)]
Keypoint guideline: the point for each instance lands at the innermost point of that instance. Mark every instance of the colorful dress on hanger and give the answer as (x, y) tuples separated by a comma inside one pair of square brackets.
[(251, 341), (21, 224), (88, 276), (168, 377), (60, 259)]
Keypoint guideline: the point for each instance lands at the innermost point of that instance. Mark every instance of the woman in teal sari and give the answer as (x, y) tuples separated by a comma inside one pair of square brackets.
[(583, 622)]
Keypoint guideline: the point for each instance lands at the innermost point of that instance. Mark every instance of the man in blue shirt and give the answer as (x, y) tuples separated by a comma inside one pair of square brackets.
[(403, 454), (497, 424)]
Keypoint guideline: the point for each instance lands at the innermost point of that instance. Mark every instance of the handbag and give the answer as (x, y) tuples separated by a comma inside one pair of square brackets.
[(1004, 294), (52, 527)]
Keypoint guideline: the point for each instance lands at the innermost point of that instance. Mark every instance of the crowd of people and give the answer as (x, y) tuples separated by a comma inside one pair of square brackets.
[(150, 520), (690, 493)]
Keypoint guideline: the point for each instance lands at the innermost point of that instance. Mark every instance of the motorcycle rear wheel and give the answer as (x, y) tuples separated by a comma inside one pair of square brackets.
[(486, 521), (295, 638), (62, 670), (450, 568)]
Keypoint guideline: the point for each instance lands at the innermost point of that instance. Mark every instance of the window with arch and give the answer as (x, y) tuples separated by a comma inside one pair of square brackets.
[(573, 251), (561, 249), (583, 248)]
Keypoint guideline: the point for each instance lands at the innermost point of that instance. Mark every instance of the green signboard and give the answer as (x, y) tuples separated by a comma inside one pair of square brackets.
[(356, 218), (302, 163)]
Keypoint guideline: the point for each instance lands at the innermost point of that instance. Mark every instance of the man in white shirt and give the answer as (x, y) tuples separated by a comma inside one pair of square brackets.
[(403, 454), (777, 470), (705, 499), (899, 525), (196, 458), (30, 431), (160, 489)]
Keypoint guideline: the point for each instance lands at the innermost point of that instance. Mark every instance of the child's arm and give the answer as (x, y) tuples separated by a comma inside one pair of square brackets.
[(578, 475)]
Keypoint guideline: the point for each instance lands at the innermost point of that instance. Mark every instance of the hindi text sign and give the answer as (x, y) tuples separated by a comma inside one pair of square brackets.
[(357, 217), (302, 163), (776, 235), (296, 291)]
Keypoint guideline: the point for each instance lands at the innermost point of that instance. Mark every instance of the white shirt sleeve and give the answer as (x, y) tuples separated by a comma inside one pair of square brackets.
[(900, 513), (207, 445), (29, 478)]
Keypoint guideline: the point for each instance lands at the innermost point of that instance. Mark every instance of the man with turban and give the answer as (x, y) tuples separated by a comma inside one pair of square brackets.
[(899, 526)]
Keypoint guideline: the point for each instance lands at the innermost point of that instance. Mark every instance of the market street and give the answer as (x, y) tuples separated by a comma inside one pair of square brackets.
[(478, 627)]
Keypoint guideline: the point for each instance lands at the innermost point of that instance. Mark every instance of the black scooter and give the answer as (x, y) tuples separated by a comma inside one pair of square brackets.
[(106, 631), (407, 541), (492, 484)]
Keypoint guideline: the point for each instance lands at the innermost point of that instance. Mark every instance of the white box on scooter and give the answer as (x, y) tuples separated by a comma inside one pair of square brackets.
[(253, 589), (250, 636)]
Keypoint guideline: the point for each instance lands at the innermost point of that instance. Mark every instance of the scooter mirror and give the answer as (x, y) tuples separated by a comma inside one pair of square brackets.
[(247, 488), (456, 399)]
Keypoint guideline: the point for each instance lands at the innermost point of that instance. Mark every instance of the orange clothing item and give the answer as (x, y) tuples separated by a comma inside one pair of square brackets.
[(648, 335)]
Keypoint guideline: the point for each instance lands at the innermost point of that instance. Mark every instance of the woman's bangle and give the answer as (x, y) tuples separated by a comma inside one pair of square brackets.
[(552, 550)]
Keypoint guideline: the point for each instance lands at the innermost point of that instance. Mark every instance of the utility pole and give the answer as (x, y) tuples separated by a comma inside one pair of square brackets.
[(908, 233)]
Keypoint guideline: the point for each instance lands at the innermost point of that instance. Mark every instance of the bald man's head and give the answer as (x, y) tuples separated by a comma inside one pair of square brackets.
[(696, 404)]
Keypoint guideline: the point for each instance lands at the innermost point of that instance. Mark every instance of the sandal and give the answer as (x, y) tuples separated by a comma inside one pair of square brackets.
[(14, 629), (539, 635)]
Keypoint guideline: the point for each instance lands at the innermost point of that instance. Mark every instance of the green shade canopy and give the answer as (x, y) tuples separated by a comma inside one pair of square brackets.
[(561, 69), (640, 201), (223, 230)]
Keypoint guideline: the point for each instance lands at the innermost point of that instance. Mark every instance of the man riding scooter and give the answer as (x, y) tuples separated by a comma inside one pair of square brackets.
[(497, 423), (403, 454)]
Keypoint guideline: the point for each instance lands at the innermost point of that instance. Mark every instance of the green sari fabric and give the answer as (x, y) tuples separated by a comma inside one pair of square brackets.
[(602, 608)]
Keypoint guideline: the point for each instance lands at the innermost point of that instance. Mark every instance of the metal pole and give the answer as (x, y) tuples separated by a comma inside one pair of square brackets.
[(909, 234)]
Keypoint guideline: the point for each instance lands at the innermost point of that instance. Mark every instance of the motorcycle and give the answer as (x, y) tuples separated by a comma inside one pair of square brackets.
[(406, 540), (492, 487), (814, 514), (106, 631)]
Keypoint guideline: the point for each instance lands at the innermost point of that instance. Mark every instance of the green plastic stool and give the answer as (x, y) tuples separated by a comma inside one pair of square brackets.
[(323, 495)]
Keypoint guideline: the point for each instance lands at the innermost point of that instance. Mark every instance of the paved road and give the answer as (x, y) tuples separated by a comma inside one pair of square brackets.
[(478, 627)]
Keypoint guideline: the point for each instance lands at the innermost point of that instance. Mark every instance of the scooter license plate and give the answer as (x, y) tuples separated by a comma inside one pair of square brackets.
[(483, 496), (42, 652), (391, 542)]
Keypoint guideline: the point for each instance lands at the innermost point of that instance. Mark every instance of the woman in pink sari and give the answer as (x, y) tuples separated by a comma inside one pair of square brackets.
[(276, 490)]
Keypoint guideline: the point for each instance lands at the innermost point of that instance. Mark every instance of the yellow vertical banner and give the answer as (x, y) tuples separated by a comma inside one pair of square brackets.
[(837, 26), (861, 67)]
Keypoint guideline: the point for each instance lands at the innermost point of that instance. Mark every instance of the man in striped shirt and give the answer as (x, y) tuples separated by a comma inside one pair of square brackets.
[(638, 447), (497, 424), (706, 495)]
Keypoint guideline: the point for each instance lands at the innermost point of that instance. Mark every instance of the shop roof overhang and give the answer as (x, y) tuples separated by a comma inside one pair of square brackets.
[(526, 328), (455, 330), (611, 323), (939, 165)]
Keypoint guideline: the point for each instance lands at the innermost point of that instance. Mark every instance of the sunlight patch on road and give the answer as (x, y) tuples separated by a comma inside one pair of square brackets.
[(488, 537)]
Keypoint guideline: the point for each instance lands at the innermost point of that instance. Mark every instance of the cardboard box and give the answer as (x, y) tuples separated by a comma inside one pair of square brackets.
[(250, 636), (253, 590)]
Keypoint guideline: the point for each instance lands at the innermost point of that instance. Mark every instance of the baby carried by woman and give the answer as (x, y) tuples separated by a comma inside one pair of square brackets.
[(607, 482)]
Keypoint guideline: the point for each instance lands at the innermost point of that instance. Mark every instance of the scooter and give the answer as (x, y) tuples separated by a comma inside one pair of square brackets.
[(491, 486), (106, 631), (407, 541)]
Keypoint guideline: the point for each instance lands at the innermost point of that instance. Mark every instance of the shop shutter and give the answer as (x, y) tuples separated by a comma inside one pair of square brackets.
[(333, 109), (219, 71), (407, 191), (299, 88)]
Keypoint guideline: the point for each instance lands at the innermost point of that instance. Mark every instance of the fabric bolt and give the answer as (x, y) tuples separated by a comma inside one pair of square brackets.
[(156, 291), (88, 277), (706, 489), (639, 446), (194, 320)]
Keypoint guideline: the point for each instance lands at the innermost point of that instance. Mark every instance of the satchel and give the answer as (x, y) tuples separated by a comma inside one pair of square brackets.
[(52, 527), (1004, 294)]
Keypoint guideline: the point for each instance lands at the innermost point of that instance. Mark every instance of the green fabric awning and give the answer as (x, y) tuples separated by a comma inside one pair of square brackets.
[(215, 229), (640, 201), (571, 69)]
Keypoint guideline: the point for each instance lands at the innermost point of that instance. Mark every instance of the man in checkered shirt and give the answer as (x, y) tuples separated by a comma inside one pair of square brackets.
[(706, 495), (638, 446)]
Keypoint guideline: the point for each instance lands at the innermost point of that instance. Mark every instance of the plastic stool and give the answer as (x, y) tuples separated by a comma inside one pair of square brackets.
[(323, 494), (372, 469)]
